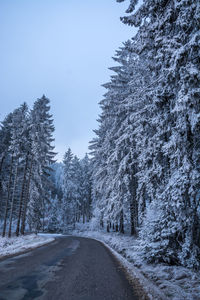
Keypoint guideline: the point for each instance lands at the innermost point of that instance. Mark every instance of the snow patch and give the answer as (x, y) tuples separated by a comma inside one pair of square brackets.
[(15, 245)]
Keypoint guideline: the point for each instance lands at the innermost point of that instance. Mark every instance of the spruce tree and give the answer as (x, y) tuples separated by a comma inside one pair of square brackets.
[(41, 159)]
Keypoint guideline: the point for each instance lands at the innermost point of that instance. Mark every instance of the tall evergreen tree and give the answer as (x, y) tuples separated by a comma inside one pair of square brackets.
[(19, 145), (5, 139), (41, 159)]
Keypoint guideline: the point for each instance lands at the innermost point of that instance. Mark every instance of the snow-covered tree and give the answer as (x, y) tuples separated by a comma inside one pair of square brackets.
[(86, 185), (26, 153), (146, 149), (168, 36), (42, 157), (76, 202), (67, 188)]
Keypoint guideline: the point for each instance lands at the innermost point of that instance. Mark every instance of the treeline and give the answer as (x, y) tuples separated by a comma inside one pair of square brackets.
[(36, 193), (71, 194), (146, 153), (26, 155)]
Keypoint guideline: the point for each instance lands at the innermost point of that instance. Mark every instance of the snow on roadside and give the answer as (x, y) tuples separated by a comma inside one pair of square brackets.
[(15, 245), (160, 281)]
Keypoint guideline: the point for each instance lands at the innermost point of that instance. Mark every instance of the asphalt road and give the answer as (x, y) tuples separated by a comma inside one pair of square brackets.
[(71, 268)]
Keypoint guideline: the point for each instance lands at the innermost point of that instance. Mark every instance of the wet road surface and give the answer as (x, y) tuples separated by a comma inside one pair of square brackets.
[(71, 268)]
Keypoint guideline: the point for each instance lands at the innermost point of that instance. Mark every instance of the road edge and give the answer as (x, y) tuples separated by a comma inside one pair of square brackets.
[(145, 289)]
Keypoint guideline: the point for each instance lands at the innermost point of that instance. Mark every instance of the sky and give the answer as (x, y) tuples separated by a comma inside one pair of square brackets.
[(60, 48)]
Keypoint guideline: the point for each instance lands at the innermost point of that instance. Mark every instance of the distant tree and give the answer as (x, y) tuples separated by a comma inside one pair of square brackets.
[(86, 184), (53, 216), (67, 203)]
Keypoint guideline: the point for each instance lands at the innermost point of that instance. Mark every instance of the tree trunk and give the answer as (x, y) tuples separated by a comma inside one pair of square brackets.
[(132, 219), (1, 194), (108, 227), (196, 230), (7, 199), (1, 164), (43, 214), (133, 203), (22, 196), (26, 199), (43, 221), (101, 223), (121, 224), (83, 218), (13, 199), (134, 216)]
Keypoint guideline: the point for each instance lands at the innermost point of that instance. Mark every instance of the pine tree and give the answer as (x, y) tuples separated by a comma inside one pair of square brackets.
[(5, 159), (15, 152), (19, 140), (41, 159)]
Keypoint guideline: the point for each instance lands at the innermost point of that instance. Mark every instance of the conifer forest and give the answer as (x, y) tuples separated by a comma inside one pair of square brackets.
[(141, 176)]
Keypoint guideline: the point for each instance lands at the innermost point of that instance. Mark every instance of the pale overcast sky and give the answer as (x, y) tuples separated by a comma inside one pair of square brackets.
[(60, 48)]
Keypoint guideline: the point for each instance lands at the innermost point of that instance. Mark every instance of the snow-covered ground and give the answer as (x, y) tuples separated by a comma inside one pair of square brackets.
[(159, 281), (15, 245)]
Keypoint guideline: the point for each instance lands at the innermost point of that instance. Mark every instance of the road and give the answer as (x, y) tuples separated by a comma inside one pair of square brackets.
[(70, 268)]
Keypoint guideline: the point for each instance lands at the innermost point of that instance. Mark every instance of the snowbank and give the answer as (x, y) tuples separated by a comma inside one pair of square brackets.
[(16, 245), (159, 281)]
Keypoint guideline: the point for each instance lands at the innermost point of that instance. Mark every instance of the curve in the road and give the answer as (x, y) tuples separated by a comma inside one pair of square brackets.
[(71, 268)]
